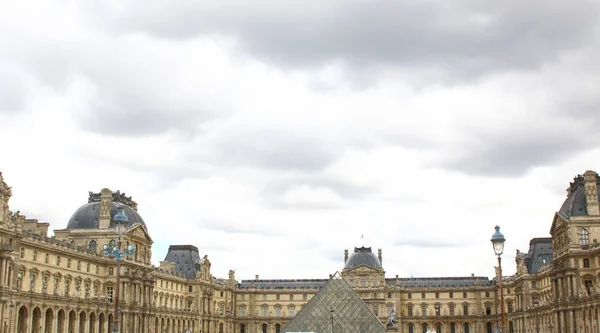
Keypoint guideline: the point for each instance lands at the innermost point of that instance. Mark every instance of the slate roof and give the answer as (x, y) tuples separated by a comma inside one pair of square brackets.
[(362, 256), (539, 254), (440, 282), (186, 258), (283, 284), (575, 204), (88, 216)]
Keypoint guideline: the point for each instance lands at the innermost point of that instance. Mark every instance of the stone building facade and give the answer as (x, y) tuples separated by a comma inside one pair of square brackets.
[(64, 283)]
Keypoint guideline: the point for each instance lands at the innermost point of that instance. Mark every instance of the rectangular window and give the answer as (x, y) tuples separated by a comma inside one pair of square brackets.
[(488, 309), (376, 310), (464, 295), (451, 295), (409, 295), (508, 291), (68, 263), (410, 310), (423, 295), (221, 309), (191, 288), (264, 297), (510, 307), (533, 284), (466, 309), (390, 295), (586, 263), (109, 294), (291, 297), (487, 294), (437, 310), (221, 293), (424, 310), (264, 311), (243, 312), (292, 312), (277, 297), (111, 272), (451, 306), (277, 312), (437, 295)]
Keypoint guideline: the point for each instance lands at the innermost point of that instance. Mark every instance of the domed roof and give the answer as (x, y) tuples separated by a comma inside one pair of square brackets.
[(576, 204), (88, 215), (362, 256)]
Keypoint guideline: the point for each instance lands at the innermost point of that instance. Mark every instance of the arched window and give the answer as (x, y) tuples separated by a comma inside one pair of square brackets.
[(57, 260), (438, 328), (488, 327), (278, 328), (584, 237), (411, 328), (242, 328), (264, 328), (466, 327), (452, 328), (511, 328), (34, 255), (92, 246), (424, 327)]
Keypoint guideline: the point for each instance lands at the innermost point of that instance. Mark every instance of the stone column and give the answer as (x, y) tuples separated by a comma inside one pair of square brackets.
[(2, 270)]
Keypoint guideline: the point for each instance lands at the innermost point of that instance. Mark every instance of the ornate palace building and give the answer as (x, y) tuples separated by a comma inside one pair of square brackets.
[(64, 283)]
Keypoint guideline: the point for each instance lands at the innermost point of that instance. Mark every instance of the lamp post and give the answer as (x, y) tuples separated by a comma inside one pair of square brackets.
[(498, 243), (331, 312), (120, 220)]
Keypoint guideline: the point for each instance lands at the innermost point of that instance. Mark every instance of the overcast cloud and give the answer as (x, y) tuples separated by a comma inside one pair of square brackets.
[(272, 135)]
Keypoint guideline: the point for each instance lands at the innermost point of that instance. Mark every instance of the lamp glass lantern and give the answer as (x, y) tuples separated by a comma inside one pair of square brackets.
[(498, 241)]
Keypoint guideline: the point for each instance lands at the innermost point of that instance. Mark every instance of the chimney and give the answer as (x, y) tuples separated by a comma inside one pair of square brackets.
[(591, 192), (105, 203), (256, 277), (345, 256), (379, 256)]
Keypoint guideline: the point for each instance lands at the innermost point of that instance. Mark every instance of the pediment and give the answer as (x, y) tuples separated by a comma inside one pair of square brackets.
[(362, 269), (139, 231)]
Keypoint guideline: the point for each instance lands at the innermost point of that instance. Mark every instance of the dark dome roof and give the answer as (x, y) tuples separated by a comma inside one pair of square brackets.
[(88, 216), (576, 204), (362, 256)]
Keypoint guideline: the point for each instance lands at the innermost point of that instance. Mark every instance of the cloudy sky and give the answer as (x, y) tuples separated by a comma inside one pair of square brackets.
[(273, 134)]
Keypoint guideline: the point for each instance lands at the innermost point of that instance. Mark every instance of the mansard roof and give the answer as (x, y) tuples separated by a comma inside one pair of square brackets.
[(283, 284)]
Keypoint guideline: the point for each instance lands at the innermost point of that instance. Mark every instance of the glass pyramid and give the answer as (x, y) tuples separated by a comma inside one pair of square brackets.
[(335, 306)]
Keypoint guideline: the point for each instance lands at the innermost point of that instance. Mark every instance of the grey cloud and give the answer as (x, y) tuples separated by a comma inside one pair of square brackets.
[(240, 227), (273, 192), (13, 92), (515, 151), (468, 38), (422, 242), (270, 148)]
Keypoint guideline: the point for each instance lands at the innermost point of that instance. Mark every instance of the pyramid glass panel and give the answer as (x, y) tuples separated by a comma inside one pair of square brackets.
[(336, 308)]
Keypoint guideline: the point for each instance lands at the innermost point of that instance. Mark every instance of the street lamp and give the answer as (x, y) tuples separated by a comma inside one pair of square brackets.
[(120, 220), (331, 312), (498, 243)]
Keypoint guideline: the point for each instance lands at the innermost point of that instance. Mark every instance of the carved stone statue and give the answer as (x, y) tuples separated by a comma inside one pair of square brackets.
[(55, 286), (231, 274), (32, 284), (391, 319), (44, 285)]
